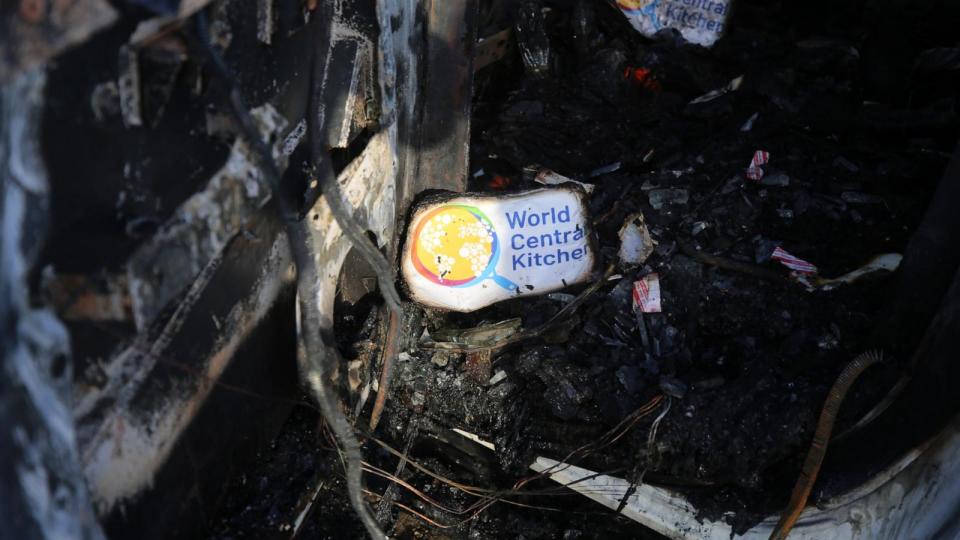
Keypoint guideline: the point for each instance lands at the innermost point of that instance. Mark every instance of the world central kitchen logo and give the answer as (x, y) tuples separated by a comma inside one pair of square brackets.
[(457, 245)]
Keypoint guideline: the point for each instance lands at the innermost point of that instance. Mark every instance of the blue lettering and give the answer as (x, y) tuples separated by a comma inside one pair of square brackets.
[(578, 253), (671, 13), (516, 219), (516, 241), (518, 261), (549, 260)]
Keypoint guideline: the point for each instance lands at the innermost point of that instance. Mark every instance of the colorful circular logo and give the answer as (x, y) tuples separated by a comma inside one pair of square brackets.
[(633, 5), (455, 246)]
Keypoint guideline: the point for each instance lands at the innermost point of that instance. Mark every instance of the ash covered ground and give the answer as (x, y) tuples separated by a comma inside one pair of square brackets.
[(858, 133)]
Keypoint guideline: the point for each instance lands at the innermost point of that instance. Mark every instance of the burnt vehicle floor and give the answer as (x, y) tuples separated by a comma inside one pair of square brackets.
[(745, 363)]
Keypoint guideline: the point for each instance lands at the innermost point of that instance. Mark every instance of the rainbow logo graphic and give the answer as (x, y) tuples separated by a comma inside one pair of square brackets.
[(642, 8), (633, 6), (456, 245)]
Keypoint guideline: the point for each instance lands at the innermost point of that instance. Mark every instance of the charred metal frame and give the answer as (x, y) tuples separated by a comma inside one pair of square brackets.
[(210, 294)]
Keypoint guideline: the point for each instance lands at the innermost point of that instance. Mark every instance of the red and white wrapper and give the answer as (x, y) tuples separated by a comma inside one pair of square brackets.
[(796, 264), (646, 294), (754, 170)]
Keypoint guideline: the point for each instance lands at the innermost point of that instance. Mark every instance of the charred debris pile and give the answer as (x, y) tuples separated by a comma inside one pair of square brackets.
[(744, 178)]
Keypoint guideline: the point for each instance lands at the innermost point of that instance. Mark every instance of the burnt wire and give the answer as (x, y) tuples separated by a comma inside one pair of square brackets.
[(821, 438), (319, 354), (488, 497), (390, 353), (653, 457), (383, 510)]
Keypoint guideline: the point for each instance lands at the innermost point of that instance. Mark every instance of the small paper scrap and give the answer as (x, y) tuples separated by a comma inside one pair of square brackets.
[(754, 170), (796, 264), (635, 241), (646, 294), (547, 177)]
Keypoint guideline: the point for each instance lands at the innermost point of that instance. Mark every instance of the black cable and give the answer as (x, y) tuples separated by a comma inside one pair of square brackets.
[(321, 356), (353, 231), (330, 187)]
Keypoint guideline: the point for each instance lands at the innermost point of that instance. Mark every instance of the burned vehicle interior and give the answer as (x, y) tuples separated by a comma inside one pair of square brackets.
[(480, 269)]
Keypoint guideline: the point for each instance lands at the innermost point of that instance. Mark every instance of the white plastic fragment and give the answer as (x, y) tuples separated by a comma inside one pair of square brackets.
[(887, 262), (466, 251), (606, 169), (646, 294), (476, 438), (662, 197), (635, 241), (754, 170), (698, 21), (748, 125), (546, 177), (497, 377), (731, 86), (657, 508)]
